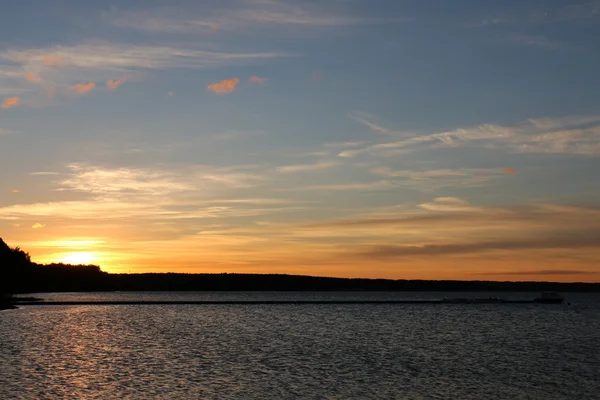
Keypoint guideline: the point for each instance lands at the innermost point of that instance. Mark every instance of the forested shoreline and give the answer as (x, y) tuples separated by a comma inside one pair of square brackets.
[(19, 275)]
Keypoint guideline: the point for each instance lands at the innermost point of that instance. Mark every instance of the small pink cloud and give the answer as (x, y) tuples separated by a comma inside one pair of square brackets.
[(316, 76), (170, 93), (50, 92), (224, 87), (53, 60), (33, 78), (83, 88), (113, 84), (510, 171), (11, 102), (258, 80), (15, 191)]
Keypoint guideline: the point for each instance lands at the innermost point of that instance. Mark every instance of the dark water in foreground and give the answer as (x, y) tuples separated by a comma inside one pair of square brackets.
[(489, 351)]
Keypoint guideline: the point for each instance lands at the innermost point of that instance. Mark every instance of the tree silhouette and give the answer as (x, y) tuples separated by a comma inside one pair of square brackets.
[(18, 274)]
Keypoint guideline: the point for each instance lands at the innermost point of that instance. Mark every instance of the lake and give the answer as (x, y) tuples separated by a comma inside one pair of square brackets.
[(361, 351)]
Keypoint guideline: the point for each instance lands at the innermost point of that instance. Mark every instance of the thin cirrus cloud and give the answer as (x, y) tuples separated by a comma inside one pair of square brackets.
[(240, 14), (348, 187), (371, 122), (541, 42), (451, 214), (122, 57), (307, 167), (450, 204), (104, 181), (225, 86), (568, 135), (568, 240), (563, 13), (542, 272), (434, 179), (454, 227), (11, 102)]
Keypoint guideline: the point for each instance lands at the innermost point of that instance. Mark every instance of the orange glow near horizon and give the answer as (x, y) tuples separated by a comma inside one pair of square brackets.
[(78, 258), (153, 257)]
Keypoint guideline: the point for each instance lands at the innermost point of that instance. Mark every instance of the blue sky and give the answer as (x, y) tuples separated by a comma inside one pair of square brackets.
[(444, 139)]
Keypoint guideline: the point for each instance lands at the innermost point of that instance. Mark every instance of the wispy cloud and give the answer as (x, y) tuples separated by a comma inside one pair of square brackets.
[(11, 102), (122, 182), (450, 204), (225, 86), (240, 14), (438, 178), (33, 78), (38, 226), (121, 57), (552, 14), (258, 80), (541, 42), (540, 272), (161, 199), (307, 167), (372, 122), (568, 135), (454, 227), (233, 135), (350, 186), (567, 240), (43, 173)]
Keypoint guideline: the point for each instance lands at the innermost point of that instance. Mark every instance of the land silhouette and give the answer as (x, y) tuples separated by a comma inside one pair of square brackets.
[(18, 275)]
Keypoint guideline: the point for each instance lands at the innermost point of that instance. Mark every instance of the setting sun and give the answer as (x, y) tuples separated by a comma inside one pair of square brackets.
[(80, 258)]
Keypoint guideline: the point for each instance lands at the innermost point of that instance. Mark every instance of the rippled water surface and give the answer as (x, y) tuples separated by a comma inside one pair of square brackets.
[(300, 351)]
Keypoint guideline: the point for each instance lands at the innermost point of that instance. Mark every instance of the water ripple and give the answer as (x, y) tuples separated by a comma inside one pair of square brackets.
[(301, 351)]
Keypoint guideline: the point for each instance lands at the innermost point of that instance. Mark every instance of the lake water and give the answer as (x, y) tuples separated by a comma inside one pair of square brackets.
[(493, 351)]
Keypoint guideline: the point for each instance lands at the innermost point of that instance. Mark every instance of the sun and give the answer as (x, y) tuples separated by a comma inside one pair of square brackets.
[(79, 258)]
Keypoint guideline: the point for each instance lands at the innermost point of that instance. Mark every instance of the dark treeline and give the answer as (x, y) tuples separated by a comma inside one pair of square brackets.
[(18, 274), (265, 282)]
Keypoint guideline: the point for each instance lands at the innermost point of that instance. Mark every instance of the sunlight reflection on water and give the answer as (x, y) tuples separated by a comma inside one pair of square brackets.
[(301, 351)]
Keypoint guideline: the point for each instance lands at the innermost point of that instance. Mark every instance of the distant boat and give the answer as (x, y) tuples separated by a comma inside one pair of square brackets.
[(549, 297)]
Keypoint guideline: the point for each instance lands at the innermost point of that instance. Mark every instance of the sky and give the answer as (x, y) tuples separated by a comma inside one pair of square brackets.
[(401, 139)]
